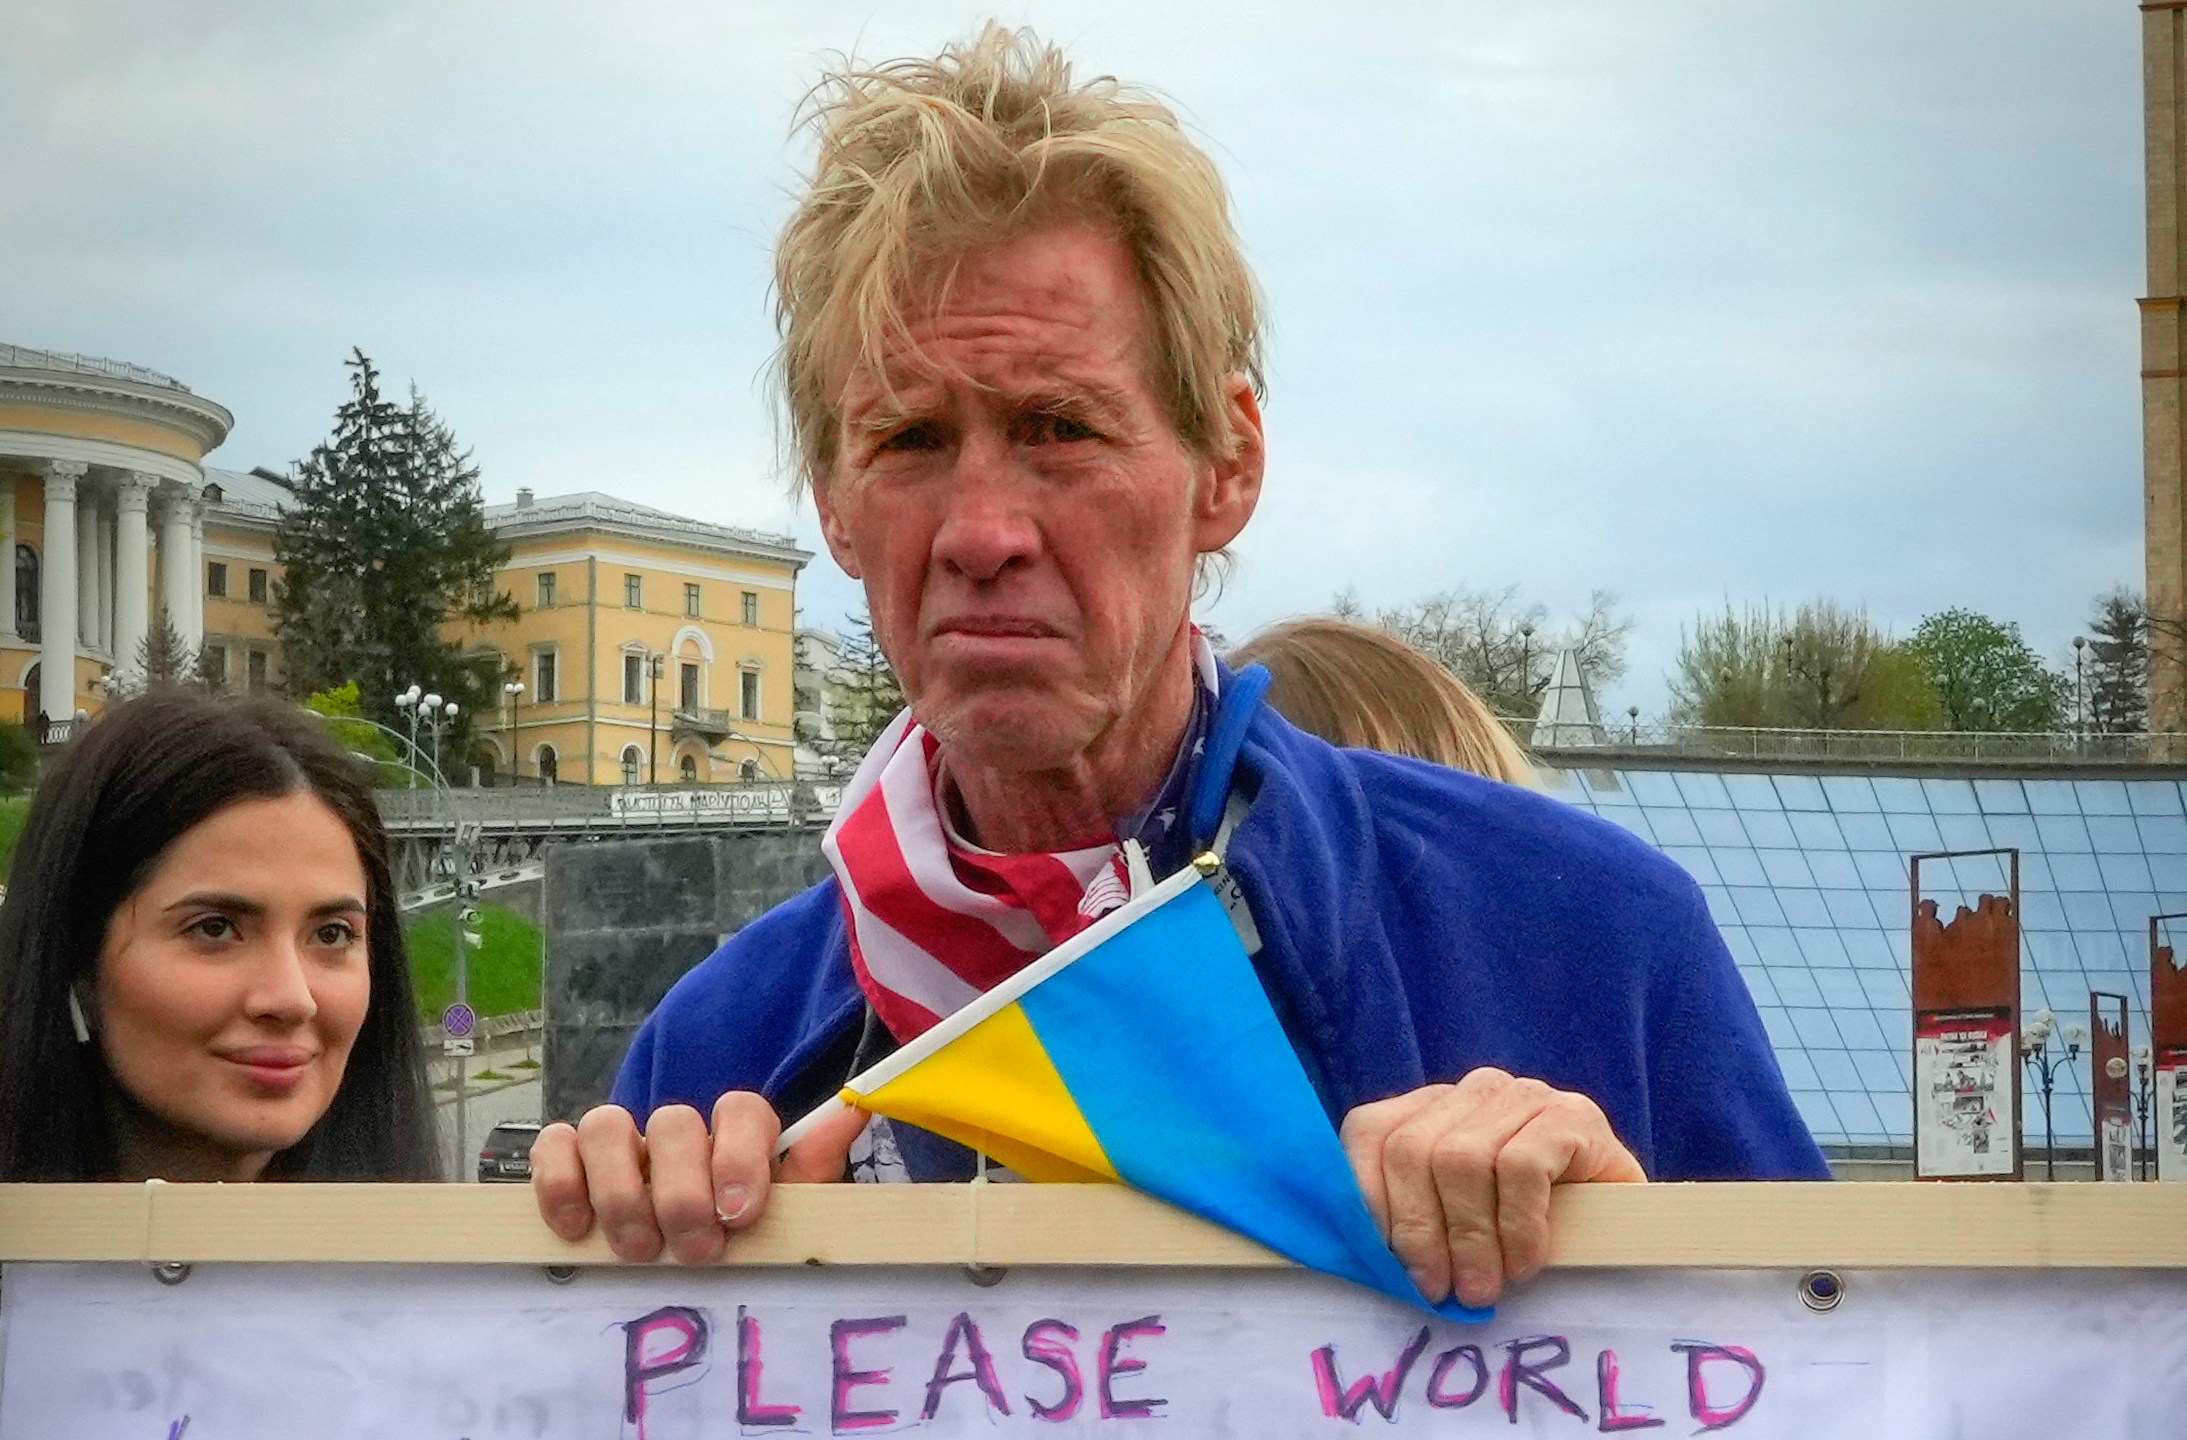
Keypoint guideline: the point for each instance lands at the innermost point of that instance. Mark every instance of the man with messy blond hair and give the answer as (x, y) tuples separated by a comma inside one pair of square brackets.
[(1021, 360)]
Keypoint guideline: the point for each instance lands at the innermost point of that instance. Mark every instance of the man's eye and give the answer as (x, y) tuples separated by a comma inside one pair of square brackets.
[(921, 436), (1051, 429)]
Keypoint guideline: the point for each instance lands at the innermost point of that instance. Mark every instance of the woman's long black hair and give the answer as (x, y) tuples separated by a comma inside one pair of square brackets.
[(135, 780)]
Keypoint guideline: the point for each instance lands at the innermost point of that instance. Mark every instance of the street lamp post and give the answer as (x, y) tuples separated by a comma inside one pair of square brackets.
[(653, 718), (1526, 658), (439, 715), (510, 690), (2035, 1053), (2080, 693), (1632, 713), (406, 704), (2144, 1081)]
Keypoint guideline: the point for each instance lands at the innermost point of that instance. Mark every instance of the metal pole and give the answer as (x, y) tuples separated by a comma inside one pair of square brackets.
[(465, 1163), (2050, 1139), (653, 720)]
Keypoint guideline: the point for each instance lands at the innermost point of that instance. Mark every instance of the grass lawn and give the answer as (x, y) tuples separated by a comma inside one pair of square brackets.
[(14, 810), (504, 970)]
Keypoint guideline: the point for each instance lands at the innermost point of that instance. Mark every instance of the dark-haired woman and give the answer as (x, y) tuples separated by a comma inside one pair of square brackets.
[(202, 975)]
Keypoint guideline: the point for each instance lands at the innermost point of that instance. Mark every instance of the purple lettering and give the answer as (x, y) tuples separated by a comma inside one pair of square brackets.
[(647, 1359), (1340, 1402), (982, 1373), (1114, 1363), (1698, 1400), (751, 1410), (1613, 1417), (845, 1379), (1518, 1370), (1446, 1362), (1055, 1353)]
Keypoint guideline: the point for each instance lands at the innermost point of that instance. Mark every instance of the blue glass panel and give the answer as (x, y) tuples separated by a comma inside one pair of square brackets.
[(2052, 797), (1814, 1107), (2035, 872), (1720, 827), (1898, 1028), (1801, 792), (1799, 1071), (2040, 910), (1824, 950), (2070, 872), (1849, 909), (1756, 905), (2000, 797), (2125, 872), (1894, 909), (1885, 989), (1769, 829), (2164, 834), (1759, 985), (1858, 1116), (1833, 869), (1915, 833), (1873, 950), (1720, 906), (1836, 1070), (2150, 797), (1740, 867), (1796, 987), (1653, 787), (2102, 797), (1694, 861), (1751, 792), (1896, 1110), (1739, 943), (1631, 819), (2087, 910), (1883, 868), (2014, 831), (1803, 907), (1818, 830), (1815, 1028), (1787, 867), (2131, 909), (1703, 790), (1857, 1023), (2114, 834), (1963, 832), (1782, 1038), (1842, 993), (1900, 796), (1950, 797), (1866, 832), (1849, 794), (1673, 827), (1774, 945)]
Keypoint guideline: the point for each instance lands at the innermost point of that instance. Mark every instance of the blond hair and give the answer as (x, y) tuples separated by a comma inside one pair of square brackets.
[(1365, 688), (921, 159)]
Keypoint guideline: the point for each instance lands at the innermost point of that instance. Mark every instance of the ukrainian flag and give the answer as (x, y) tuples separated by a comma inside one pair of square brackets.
[(1144, 1051)]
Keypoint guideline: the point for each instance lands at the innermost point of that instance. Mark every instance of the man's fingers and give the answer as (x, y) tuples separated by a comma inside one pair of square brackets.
[(1568, 1141), (558, 1182), (824, 1155), (1366, 1129), (745, 1130), (613, 1155), (678, 1153)]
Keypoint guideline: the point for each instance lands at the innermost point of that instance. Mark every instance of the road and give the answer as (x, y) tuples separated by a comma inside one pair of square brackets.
[(488, 1103)]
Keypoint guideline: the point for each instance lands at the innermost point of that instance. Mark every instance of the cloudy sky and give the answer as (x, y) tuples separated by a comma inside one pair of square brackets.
[(1694, 299)]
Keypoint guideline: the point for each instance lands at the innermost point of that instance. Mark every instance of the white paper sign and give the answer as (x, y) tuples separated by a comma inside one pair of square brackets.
[(265, 1352), (2169, 1120), (1963, 1112)]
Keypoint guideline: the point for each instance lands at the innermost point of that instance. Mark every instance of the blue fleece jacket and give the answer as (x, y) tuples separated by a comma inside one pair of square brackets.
[(1416, 922)]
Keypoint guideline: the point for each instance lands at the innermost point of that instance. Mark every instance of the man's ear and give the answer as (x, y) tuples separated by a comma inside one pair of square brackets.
[(833, 529), (1232, 488)]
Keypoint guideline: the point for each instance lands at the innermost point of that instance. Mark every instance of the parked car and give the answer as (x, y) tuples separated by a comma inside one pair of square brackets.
[(507, 1154)]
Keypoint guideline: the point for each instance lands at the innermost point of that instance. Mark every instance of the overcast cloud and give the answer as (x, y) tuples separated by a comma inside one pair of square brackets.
[(1692, 299)]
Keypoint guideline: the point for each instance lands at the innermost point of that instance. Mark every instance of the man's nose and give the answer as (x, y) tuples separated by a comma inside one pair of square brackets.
[(988, 523)]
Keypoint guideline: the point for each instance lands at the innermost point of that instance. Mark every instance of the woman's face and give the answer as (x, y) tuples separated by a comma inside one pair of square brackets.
[(231, 987)]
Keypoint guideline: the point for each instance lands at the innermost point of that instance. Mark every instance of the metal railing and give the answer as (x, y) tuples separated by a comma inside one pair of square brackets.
[(603, 807), (1670, 739), (25, 358)]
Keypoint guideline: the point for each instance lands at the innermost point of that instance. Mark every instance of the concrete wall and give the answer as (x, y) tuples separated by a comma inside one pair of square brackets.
[(626, 918)]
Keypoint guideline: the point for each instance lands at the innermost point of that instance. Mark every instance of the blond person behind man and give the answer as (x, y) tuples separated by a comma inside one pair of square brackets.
[(1363, 688)]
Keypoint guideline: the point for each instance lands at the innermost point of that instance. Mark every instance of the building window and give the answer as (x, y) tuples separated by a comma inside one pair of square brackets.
[(691, 601), (26, 592), (689, 767), (549, 766), (633, 677), (748, 694), (633, 762), (546, 590), (751, 607), (634, 591), (687, 689), (543, 687), (256, 663), (216, 580), (216, 666), (258, 587)]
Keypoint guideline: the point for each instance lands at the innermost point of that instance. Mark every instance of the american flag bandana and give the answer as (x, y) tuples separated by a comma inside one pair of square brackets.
[(935, 920)]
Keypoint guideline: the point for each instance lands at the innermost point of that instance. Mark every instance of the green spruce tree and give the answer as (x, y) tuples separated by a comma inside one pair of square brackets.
[(2115, 680)]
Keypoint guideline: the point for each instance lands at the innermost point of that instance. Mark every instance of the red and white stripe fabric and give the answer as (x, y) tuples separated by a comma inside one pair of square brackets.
[(935, 920)]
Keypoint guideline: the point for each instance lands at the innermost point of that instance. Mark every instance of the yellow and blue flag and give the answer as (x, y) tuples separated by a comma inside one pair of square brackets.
[(1145, 1051)]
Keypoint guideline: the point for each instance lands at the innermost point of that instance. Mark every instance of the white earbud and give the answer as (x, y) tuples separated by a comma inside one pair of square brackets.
[(76, 1018)]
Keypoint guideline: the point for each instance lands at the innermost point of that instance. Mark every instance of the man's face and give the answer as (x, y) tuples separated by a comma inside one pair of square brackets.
[(1020, 506)]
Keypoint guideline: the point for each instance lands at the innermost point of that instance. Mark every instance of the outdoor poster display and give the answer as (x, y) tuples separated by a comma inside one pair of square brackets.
[(2111, 1098), (1965, 1122), (2169, 1120)]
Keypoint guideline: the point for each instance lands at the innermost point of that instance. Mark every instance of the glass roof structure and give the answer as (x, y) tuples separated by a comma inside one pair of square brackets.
[(1806, 873)]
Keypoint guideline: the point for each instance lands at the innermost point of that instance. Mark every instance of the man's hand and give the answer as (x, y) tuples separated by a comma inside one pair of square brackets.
[(1458, 1175), (676, 1185)]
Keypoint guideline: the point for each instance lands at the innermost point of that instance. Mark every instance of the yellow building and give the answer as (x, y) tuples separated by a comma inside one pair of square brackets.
[(102, 507), (645, 641)]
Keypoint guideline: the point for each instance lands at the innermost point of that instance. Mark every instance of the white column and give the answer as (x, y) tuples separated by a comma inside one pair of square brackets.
[(193, 613), (104, 519), (174, 559), (57, 597), (87, 566), (7, 555), (132, 567)]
